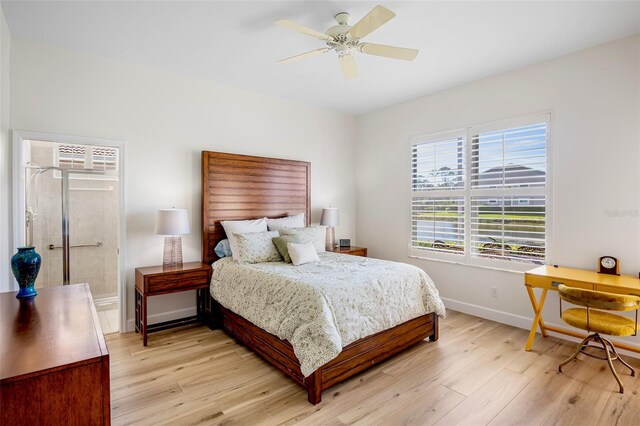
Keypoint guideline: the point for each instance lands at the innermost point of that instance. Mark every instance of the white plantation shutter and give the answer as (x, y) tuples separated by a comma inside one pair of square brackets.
[(509, 158), (437, 185), (508, 191), (482, 194), (509, 229), (105, 158), (438, 164), (438, 224), (82, 157), (71, 156)]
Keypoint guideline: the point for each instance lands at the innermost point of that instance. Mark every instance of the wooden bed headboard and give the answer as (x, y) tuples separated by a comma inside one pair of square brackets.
[(241, 187)]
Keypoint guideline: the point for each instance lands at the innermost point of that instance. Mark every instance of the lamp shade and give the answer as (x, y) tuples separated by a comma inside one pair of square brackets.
[(172, 222), (330, 216)]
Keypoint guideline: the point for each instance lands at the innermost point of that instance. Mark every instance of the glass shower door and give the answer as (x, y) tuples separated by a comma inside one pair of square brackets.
[(43, 222), (93, 230)]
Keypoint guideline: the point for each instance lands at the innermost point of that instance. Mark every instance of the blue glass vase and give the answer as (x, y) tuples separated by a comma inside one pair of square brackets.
[(25, 265)]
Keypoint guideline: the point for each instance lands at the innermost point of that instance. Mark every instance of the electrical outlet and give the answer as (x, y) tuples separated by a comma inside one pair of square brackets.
[(494, 292)]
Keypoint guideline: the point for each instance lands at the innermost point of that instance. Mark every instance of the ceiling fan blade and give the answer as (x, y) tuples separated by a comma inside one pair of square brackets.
[(302, 29), (388, 51), (301, 56), (348, 67), (373, 20)]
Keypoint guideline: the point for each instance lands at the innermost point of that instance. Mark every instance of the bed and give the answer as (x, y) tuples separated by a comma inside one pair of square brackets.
[(238, 187)]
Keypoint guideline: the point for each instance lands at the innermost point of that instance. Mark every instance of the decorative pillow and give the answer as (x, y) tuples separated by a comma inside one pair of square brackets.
[(256, 247), (302, 253), (242, 227), (223, 249), (295, 221), (315, 234), (281, 245)]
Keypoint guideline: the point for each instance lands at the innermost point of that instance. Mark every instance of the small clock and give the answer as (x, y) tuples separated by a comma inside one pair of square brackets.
[(608, 265)]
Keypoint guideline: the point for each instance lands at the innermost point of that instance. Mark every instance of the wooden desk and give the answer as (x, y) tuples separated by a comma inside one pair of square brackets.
[(549, 278), (54, 363)]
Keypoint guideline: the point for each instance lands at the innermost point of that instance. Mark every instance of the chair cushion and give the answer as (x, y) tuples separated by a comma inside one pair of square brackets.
[(599, 299), (599, 322)]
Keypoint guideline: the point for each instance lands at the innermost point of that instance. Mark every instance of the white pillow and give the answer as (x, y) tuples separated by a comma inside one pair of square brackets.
[(302, 253), (242, 227), (257, 247), (295, 221), (315, 234)]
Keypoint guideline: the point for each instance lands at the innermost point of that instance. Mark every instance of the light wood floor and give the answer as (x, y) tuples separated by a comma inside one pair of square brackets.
[(477, 373), (108, 320)]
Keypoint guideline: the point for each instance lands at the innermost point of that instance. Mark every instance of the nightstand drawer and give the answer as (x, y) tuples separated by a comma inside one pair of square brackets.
[(177, 276), (176, 282), (352, 250)]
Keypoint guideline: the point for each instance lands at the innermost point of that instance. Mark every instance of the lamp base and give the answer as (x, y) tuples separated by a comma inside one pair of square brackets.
[(172, 252), (331, 238)]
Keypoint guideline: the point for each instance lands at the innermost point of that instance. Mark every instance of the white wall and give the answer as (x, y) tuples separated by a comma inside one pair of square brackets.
[(166, 120), (6, 235), (594, 96)]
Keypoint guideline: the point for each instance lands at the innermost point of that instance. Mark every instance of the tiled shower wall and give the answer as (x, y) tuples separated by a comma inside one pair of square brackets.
[(93, 217)]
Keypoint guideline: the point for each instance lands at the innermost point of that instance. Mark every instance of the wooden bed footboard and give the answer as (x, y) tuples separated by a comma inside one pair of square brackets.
[(354, 358)]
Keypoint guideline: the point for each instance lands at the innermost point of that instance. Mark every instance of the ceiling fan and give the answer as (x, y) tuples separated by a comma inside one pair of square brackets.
[(346, 40)]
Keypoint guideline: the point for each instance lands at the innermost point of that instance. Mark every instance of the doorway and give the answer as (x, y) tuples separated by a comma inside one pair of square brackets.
[(69, 206)]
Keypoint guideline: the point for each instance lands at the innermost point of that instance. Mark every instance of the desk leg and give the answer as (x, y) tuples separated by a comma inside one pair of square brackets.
[(537, 319)]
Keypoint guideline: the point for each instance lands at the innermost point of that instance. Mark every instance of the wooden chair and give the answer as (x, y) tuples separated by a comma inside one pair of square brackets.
[(596, 321)]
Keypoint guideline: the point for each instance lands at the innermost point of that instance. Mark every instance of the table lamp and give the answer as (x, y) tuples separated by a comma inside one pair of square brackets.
[(172, 223), (331, 219)]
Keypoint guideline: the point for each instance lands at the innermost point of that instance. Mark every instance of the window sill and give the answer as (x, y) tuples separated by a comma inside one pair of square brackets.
[(525, 266)]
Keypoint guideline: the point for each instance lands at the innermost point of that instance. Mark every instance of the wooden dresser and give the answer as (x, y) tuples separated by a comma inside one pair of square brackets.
[(54, 363)]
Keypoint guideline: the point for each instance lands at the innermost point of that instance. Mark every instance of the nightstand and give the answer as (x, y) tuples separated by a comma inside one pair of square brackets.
[(155, 280), (352, 250)]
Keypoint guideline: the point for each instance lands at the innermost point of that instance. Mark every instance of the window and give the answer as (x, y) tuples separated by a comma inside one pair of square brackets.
[(437, 183), (479, 195), (89, 158), (83, 157)]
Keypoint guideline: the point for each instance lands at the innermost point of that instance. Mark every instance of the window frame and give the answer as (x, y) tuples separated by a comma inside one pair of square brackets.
[(467, 133)]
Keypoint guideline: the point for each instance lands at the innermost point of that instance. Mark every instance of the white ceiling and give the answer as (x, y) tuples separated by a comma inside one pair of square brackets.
[(236, 42)]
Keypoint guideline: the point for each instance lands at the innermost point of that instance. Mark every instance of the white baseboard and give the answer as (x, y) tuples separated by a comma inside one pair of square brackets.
[(488, 313), (164, 316), (515, 320), (108, 300)]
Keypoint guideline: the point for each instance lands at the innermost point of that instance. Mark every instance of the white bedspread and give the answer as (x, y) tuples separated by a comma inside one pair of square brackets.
[(322, 307)]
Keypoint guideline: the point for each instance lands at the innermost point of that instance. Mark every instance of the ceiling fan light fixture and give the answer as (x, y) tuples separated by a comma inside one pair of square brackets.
[(342, 18), (345, 40)]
